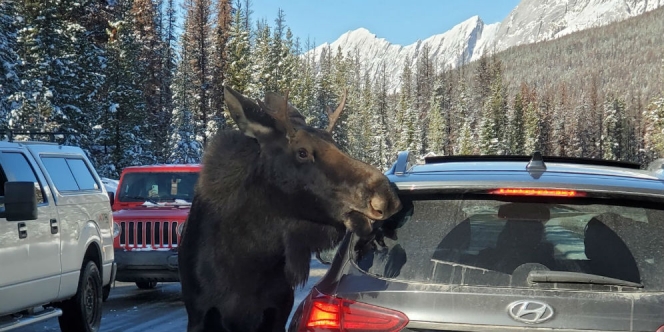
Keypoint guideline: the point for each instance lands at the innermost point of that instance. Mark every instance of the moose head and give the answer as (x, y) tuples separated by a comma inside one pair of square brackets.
[(310, 175)]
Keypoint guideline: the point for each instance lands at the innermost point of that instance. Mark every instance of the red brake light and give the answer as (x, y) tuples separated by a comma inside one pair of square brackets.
[(537, 192), (660, 329), (331, 314)]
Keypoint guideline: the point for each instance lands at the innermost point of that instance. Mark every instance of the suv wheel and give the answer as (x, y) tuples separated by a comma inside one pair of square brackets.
[(82, 313), (146, 284)]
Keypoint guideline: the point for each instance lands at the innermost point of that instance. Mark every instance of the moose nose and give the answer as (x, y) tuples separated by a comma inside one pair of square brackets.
[(378, 205)]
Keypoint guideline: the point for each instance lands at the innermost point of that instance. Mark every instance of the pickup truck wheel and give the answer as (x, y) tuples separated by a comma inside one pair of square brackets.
[(82, 313), (146, 284), (106, 291)]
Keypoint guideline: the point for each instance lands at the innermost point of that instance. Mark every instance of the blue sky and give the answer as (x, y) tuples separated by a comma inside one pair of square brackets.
[(398, 21)]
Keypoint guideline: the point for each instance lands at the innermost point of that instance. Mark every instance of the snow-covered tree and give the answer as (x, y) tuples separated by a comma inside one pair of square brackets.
[(304, 86), (61, 73), (654, 133), (125, 116), (516, 127), (531, 127), (381, 143), (238, 75), (263, 62), (146, 29), (465, 143), (614, 136), (438, 127), (408, 118), (323, 88), (9, 75), (222, 35)]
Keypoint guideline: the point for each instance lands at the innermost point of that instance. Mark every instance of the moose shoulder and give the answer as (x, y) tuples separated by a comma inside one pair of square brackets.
[(267, 197)]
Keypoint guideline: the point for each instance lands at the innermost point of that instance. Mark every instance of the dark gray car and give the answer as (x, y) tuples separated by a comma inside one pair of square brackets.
[(503, 243)]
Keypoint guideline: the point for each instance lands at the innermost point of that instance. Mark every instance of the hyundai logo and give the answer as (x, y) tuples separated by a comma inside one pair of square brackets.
[(530, 312)]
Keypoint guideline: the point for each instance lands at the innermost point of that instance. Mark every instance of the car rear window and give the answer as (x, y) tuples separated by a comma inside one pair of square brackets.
[(472, 240)]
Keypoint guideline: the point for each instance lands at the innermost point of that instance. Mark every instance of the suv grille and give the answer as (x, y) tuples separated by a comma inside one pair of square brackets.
[(148, 234)]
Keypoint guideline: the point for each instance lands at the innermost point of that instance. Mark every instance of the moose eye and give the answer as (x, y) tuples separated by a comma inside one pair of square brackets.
[(302, 153)]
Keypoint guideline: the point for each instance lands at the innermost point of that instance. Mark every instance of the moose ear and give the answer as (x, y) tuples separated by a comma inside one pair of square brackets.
[(248, 115)]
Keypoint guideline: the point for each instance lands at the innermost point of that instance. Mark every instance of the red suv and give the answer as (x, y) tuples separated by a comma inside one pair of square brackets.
[(149, 209)]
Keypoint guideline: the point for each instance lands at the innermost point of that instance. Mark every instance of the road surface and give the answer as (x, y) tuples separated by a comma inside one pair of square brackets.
[(129, 309)]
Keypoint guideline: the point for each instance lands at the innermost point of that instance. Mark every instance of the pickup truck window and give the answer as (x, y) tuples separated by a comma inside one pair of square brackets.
[(82, 174), (19, 169), (70, 174)]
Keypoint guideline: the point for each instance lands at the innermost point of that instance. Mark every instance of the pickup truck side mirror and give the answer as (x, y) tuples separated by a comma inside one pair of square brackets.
[(111, 197), (20, 201)]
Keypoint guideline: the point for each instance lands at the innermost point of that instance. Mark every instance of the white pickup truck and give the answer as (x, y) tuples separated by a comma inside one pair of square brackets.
[(56, 237)]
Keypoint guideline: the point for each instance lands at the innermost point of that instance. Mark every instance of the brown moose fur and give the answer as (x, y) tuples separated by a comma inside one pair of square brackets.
[(267, 197)]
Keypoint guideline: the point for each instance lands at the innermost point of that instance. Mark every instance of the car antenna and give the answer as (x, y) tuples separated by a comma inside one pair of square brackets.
[(536, 165)]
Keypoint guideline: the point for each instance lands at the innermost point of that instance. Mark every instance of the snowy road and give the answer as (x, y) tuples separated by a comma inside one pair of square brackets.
[(129, 309)]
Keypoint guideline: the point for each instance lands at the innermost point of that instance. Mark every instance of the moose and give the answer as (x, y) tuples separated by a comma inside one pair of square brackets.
[(268, 196)]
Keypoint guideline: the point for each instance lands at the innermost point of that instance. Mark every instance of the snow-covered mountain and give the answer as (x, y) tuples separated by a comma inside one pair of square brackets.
[(531, 21)]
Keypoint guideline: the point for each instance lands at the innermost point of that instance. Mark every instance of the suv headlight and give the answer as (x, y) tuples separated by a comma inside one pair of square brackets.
[(180, 229), (116, 230)]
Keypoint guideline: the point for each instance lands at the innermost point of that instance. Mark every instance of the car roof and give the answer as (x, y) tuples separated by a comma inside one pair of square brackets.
[(527, 171), (41, 147)]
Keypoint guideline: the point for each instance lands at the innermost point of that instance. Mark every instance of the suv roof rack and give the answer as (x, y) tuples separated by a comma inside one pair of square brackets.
[(656, 165), (656, 168), (405, 160), (10, 133), (536, 160)]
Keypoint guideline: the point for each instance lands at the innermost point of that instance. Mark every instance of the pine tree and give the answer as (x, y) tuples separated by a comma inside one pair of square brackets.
[(305, 86), (437, 135), (341, 68), (238, 75), (184, 141), (9, 75), (61, 73), (531, 125), (654, 132), (284, 62), (406, 116), (169, 62), (544, 124), (222, 35), (614, 135), (516, 134), (381, 144), (263, 63), (424, 81), (323, 88), (462, 115), (197, 41), (560, 142), (123, 136), (466, 146), (146, 25), (494, 116)]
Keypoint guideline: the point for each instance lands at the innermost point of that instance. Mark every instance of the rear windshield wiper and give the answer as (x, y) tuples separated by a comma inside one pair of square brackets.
[(577, 277)]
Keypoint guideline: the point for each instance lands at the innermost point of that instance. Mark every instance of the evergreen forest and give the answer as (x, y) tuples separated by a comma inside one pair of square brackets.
[(132, 83)]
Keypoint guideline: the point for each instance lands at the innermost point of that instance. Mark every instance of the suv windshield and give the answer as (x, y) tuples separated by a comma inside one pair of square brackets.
[(157, 187), (472, 240)]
